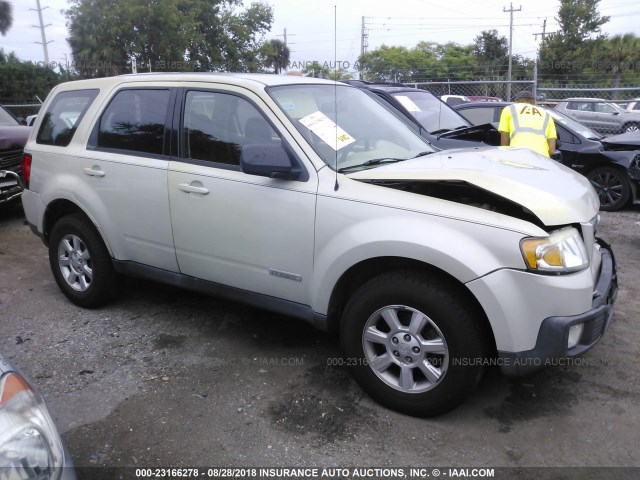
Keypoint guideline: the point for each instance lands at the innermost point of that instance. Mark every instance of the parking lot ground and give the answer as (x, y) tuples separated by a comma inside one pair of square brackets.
[(163, 377)]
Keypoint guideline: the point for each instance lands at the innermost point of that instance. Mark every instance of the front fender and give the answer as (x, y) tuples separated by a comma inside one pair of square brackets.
[(464, 250)]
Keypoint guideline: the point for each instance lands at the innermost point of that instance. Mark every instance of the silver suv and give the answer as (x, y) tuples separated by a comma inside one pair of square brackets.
[(310, 198), (600, 115)]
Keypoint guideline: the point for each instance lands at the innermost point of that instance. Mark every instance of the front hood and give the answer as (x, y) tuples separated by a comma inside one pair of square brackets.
[(553, 193), (624, 141)]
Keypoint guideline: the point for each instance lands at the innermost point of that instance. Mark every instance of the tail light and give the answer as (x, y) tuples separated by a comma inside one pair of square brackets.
[(26, 169)]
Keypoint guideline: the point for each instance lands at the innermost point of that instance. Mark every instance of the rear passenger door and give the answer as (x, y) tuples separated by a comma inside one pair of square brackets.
[(125, 167), (245, 231)]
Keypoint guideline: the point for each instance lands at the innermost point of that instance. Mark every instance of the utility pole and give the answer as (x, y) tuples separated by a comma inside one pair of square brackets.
[(511, 10), (543, 33), (364, 38), (42, 33)]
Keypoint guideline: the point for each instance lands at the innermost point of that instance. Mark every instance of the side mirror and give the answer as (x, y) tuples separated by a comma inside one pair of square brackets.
[(266, 160)]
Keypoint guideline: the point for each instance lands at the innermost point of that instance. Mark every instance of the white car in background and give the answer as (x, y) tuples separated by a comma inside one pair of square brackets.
[(454, 99)]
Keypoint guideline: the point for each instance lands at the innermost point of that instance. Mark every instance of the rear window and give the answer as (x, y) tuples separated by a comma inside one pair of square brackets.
[(478, 116), (63, 116)]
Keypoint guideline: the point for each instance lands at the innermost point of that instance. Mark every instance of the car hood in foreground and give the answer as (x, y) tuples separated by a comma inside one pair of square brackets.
[(12, 138), (553, 193)]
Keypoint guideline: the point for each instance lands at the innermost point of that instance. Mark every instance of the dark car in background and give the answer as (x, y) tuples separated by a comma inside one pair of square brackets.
[(433, 119), (30, 446), (610, 164), (13, 137)]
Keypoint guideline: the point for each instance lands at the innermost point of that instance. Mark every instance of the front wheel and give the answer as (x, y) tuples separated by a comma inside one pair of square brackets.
[(413, 344), (80, 262), (612, 187), (631, 127)]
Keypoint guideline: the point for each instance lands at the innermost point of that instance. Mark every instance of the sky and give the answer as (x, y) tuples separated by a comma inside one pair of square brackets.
[(312, 26)]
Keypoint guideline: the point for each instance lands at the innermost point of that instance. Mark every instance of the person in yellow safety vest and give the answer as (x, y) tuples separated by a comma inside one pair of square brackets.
[(524, 125)]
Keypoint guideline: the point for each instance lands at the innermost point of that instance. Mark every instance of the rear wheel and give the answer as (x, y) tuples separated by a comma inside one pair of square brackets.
[(612, 187), (80, 262), (412, 343)]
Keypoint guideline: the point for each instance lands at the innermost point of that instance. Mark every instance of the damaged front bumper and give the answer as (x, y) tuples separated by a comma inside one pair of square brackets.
[(562, 338)]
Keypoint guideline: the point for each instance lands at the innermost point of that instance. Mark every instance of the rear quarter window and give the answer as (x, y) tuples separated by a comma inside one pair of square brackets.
[(63, 115)]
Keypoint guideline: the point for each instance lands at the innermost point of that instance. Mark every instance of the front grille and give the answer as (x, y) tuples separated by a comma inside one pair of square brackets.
[(10, 160)]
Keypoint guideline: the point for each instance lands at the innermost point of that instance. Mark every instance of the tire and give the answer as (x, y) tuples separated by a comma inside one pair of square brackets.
[(80, 262), (631, 127), (612, 187), (386, 350)]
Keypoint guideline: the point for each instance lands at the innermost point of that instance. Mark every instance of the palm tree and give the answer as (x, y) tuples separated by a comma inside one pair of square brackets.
[(620, 52), (276, 55), (6, 16)]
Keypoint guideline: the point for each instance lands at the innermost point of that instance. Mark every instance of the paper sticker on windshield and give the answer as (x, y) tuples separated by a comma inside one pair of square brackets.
[(328, 131), (408, 103)]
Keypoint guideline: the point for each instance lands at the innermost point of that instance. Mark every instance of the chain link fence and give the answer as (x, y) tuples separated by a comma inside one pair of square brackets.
[(23, 110), (608, 111), (478, 90)]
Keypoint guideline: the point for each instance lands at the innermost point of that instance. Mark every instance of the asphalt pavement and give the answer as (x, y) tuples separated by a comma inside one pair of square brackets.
[(167, 378)]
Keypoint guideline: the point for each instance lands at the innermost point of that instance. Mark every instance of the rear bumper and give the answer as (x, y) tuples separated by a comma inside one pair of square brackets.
[(553, 336)]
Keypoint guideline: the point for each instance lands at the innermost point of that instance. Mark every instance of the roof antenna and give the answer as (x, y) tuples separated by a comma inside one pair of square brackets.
[(335, 87)]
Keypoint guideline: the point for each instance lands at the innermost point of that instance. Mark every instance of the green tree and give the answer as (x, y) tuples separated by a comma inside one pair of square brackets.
[(619, 55), (492, 54), (166, 35), (569, 53), (24, 81), (427, 61), (385, 64), (276, 55), (6, 16), (316, 70)]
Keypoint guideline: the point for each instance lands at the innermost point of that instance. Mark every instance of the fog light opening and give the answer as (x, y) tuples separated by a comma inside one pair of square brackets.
[(575, 332)]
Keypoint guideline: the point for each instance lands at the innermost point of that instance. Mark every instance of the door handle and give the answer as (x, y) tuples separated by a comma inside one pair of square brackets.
[(94, 172), (185, 187)]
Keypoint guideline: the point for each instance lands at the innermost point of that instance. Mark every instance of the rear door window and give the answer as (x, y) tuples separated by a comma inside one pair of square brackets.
[(134, 121), (63, 116)]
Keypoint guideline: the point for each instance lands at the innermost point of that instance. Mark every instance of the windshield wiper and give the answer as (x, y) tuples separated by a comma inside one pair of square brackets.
[(380, 161)]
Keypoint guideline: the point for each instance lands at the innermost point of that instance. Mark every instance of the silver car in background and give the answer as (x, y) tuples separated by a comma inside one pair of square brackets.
[(600, 115)]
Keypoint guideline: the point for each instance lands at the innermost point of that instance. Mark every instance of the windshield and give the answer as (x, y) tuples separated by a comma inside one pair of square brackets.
[(365, 133), (6, 119), (435, 116), (571, 124)]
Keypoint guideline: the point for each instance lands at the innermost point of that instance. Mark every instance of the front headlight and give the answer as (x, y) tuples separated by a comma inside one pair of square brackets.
[(563, 251), (30, 447)]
